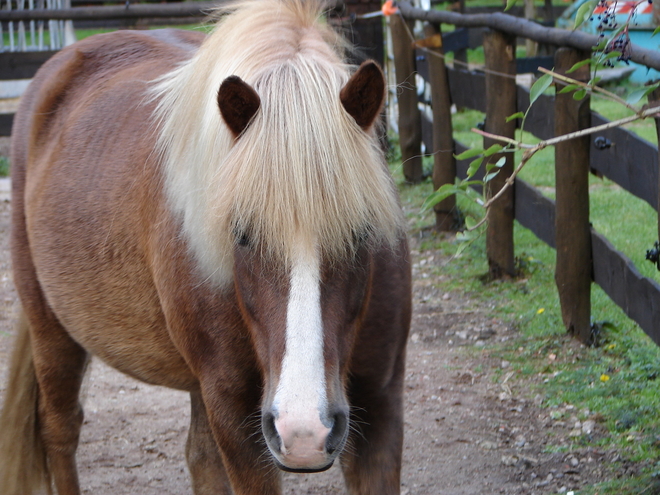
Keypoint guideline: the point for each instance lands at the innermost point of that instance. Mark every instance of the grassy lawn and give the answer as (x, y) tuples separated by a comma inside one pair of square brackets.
[(616, 381)]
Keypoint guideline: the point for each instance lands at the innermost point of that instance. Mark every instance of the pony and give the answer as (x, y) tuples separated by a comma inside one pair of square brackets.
[(212, 214)]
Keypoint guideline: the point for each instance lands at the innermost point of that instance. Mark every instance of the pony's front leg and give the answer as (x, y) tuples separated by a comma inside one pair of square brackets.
[(372, 461), (237, 431), (204, 461)]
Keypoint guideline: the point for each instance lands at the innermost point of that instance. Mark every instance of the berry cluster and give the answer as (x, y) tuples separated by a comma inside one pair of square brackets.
[(605, 14), (622, 45)]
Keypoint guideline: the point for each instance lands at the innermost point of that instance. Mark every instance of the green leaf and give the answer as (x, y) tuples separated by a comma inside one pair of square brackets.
[(466, 235), (583, 13), (496, 148), (498, 164), (509, 4), (651, 88), (490, 176), (443, 192), (469, 153), (537, 89), (610, 55), (640, 93), (635, 96), (656, 31), (579, 95), (517, 115), (474, 166), (577, 65), (569, 88), (470, 223)]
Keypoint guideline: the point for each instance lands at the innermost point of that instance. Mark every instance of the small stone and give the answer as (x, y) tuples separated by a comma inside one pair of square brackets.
[(577, 432), (414, 338), (463, 334), (509, 460), (574, 462), (505, 364), (588, 426), (488, 445)]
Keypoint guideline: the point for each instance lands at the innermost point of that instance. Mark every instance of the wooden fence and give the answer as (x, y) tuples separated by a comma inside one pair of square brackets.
[(583, 255)]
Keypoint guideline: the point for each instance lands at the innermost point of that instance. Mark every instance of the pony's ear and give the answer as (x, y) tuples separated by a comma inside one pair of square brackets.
[(364, 94), (238, 103)]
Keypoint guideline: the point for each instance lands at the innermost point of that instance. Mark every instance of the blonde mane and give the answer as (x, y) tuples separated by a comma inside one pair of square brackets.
[(302, 172)]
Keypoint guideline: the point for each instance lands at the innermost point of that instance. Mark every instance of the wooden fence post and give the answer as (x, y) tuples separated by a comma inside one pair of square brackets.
[(410, 123), (573, 238), (499, 49), (444, 163)]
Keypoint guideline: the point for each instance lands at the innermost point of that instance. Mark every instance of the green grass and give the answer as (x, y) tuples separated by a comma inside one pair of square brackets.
[(626, 401), (629, 223)]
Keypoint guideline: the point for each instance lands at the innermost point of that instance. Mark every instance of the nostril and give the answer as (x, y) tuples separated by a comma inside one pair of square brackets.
[(337, 433), (270, 432)]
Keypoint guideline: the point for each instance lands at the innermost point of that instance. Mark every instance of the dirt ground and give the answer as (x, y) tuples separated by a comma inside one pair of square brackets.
[(466, 433)]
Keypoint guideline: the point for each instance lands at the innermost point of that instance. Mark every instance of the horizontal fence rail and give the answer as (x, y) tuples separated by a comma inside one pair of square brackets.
[(130, 11), (629, 161), (524, 29)]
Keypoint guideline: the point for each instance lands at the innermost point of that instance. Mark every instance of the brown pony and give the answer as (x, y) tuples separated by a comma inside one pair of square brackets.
[(212, 215)]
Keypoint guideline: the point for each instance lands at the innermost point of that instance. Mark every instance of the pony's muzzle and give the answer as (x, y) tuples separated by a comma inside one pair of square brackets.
[(305, 444)]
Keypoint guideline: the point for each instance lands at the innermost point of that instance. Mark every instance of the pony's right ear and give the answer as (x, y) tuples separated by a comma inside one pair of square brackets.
[(238, 103), (364, 94)]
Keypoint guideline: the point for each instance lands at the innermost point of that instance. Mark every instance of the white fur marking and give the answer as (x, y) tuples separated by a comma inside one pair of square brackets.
[(300, 393)]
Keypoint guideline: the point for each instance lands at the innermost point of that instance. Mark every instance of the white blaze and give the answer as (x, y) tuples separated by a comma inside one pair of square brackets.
[(300, 394)]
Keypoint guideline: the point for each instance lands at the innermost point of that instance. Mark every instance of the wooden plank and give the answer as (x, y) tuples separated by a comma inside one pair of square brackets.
[(541, 117), (459, 39), (462, 38), (638, 296), (444, 163), (532, 64), (535, 212), (468, 89), (422, 63), (572, 237), (501, 95), (630, 161), (22, 65), (462, 167), (410, 126), (427, 132), (6, 121)]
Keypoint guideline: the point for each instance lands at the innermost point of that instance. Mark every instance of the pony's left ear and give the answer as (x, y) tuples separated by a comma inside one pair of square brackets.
[(364, 94), (238, 103)]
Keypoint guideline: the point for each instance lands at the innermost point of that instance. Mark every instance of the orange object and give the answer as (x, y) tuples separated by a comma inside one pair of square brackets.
[(389, 8)]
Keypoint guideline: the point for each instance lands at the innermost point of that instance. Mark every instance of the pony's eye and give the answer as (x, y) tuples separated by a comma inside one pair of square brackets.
[(361, 236), (242, 239), (241, 236)]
